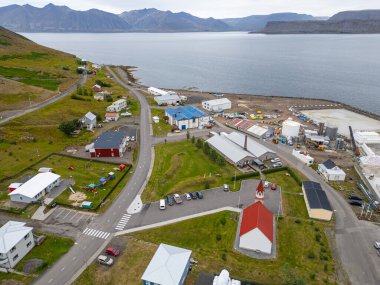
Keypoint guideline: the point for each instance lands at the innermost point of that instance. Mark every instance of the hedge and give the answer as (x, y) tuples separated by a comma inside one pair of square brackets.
[(246, 175)]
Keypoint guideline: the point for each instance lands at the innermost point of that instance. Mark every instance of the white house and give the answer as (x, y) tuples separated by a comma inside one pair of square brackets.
[(89, 121), (217, 105), (16, 240), (159, 92), (169, 266), (99, 96), (35, 188), (304, 157), (331, 171), (188, 117), (167, 99), (256, 228), (117, 106)]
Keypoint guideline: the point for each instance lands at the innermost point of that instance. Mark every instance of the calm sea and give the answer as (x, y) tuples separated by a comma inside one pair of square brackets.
[(345, 68)]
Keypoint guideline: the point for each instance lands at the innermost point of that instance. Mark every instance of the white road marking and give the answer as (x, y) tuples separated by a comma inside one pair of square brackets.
[(51, 280), (60, 213), (67, 214), (63, 268), (91, 232), (107, 236), (74, 257), (73, 216), (96, 233), (86, 230)]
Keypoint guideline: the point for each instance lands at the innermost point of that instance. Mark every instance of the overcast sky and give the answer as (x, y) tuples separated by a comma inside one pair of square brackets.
[(214, 8)]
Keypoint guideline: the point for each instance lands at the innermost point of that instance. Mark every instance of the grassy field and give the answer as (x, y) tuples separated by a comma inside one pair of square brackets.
[(162, 127), (181, 167)]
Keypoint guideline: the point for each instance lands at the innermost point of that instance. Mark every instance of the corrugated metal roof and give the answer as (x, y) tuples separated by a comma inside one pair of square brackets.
[(109, 140), (185, 113), (315, 195), (164, 98), (167, 265), (217, 101), (253, 146), (11, 233), (257, 216)]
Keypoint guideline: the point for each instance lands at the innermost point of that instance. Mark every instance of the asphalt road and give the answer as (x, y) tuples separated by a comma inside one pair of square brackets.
[(72, 88), (100, 231)]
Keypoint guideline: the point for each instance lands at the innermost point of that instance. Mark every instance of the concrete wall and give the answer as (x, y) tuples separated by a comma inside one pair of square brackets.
[(320, 214), (255, 240), (11, 258)]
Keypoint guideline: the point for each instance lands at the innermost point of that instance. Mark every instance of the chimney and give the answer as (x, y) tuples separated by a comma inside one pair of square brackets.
[(245, 142)]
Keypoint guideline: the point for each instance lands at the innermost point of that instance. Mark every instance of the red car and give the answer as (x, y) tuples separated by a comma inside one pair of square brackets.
[(273, 186), (112, 251)]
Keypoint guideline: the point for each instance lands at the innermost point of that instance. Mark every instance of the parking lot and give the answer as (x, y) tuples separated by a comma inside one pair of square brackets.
[(68, 216)]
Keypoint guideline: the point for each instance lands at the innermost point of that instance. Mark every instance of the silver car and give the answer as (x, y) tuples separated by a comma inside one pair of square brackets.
[(105, 260)]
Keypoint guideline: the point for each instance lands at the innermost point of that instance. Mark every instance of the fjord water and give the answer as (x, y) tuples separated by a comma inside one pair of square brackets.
[(345, 68)]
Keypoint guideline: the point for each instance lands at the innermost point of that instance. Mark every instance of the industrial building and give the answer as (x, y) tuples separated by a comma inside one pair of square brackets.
[(109, 144), (257, 228), (290, 128), (256, 130), (188, 117), (367, 137), (303, 156), (217, 105), (167, 99), (169, 266), (331, 172), (117, 106), (16, 240), (35, 188), (317, 203), (159, 92)]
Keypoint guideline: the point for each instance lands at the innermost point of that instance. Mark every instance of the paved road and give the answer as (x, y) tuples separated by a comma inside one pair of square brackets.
[(100, 231), (72, 88)]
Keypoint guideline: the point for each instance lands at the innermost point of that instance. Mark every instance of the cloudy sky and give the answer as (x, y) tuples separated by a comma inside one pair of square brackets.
[(214, 8)]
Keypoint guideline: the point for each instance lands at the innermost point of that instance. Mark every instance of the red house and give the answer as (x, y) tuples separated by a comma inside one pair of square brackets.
[(96, 88), (109, 144)]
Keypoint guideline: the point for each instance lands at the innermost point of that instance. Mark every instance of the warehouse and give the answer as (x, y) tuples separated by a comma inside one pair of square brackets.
[(167, 99), (231, 151), (303, 156), (217, 105), (317, 203), (109, 144), (257, 228), (331, 171), (35, 188), (367, 138), (159, 92), (169, 266), (188, 117)]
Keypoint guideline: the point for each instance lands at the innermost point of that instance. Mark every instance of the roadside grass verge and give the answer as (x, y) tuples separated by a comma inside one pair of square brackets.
[(49, 251), (193, 171), (13, 278), (162, 127)]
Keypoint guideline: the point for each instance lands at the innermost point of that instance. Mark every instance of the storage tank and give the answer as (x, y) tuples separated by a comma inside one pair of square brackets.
[(331, 132), (290, 128)]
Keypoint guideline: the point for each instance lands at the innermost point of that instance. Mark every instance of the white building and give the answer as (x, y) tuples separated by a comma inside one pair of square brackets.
[(159, 92), (169, 266), (224, 279), (167, 99), (117, 106), (304, 157), (89, 121), (259, 131), (257, 229), (188, 117), (331, 171), (290, 128), (367, 137), (16, 240), (217, 105), (35, 188)]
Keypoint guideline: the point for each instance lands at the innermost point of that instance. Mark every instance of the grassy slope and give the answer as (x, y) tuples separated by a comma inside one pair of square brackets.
[(181, 167), (161, 128), (24, 61)]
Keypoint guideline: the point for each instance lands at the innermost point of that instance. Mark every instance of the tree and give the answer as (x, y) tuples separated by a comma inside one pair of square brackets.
[(220, 161), (79, 91), (213, 155), (187, 135), (199, 143), (193, 139), (206, 148), (69, 126), (85, 92)]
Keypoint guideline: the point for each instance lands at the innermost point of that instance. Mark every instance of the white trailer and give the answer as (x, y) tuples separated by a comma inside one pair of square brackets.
[(304, 157)]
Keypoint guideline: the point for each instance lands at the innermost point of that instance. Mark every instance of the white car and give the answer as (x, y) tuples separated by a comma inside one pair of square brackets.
[(274, 160), (133, 138), (126, 114), (377, 245), (187, 196), (128, 138), (105, 260), (266, 184), (226, 188)]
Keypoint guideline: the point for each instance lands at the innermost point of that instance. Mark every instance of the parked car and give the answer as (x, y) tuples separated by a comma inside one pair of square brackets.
[(354, 197), (105, 260), (187, 196), (162, 204), (225, 187), (199, 195), (274, 160), (277, 165), (266, 184), (193, 196), (177, 199), (126, 114), (133, 138), (53, 205), (112, 251), (128, 138), (355, 203), (377, 245), (273, 186), (170, 200)]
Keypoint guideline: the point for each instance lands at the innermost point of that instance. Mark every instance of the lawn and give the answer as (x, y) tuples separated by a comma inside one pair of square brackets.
[(49, 251), (181, 167), (162, 127)]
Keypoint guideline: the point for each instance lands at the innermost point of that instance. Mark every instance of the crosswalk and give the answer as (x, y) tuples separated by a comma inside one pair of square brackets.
[(123, 222), (96, 233)]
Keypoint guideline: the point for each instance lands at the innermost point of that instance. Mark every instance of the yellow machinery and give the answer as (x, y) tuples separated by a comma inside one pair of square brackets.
[(259, 112), (275, 140)]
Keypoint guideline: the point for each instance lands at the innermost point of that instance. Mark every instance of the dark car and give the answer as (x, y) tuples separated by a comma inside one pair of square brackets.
[(53, 205), (199, 195), (354, 197), (170, 200), (193, 196), (355, 203)]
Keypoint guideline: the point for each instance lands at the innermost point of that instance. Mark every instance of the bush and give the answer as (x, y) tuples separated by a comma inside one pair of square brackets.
[(108, 98), (218, 237), (311, 255), (245, 175), (298, 221), (102, 84), (224, 257), (69, 126), (193, 139), (199, 143), (318, 237), (76, 97), (273, 170), (220, 161), (223, 221)]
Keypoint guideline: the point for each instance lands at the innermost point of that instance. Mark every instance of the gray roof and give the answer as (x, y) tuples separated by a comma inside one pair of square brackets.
[(315, 195), (109, 140), (254, 147), (329, 164), (90, 116)]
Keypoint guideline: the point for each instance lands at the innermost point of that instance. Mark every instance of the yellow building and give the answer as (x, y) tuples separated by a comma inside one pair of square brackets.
[(317, 203)]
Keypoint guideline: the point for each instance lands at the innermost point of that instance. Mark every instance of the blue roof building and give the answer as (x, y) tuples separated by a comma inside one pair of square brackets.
[(188, 117)]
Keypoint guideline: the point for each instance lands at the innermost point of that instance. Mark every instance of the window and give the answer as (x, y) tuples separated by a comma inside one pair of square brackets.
[(28, 244), (25, 237), (15, 257), (13, 249)]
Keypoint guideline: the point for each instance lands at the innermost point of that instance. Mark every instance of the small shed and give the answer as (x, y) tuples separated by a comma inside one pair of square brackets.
[(45, 169), (96, 88), (86, 205), (122, 166), (14, 186)]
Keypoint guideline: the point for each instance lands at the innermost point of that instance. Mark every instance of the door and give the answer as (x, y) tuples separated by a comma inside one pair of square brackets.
[(183, 127)]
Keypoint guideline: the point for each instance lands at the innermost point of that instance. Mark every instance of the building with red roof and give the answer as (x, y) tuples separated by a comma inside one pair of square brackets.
[(256, 228), (260, 191)]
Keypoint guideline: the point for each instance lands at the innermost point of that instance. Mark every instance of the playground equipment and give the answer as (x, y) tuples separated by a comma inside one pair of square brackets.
[(102, 181), (71, 188)]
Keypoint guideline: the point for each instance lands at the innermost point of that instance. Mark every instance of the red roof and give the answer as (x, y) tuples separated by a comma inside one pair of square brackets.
[(257, 216), (112, 115), (260, 187)]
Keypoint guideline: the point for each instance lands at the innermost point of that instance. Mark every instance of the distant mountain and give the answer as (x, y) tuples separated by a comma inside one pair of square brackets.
[(258, 22), (350, 22), (153, 20), (53, 18)]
